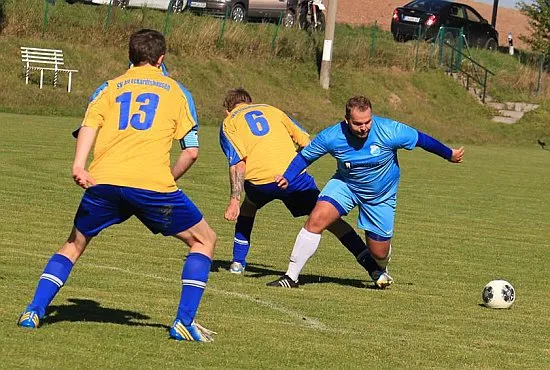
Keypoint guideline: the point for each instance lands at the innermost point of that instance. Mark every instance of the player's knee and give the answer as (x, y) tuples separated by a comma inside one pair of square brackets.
[(212, 238), (209, 238), (315, 224)]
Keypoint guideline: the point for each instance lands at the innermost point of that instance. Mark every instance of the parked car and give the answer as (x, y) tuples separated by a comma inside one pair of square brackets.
[(432, 14), (178, 5), (243, 10)]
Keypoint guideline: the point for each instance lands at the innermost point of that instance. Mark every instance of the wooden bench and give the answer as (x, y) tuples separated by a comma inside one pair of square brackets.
[(36, 59)]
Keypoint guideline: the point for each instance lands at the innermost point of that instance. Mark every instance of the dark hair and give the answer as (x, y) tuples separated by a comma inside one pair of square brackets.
[(146, 46), (235, 97), (357, 102)]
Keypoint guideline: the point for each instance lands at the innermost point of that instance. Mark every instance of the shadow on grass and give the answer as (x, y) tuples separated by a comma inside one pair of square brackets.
[(259, 270), (91, 311)]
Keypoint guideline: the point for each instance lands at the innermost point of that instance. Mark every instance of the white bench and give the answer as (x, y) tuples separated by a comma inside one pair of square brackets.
[(36, 59)]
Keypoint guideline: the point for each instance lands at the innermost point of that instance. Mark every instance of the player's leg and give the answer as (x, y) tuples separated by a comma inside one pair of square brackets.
[(99, 208), (303, 202), (201, 239), (377, 221), (241, 240), (174, 214), (55, 275), (380, 250), (353, 243), (334, 201)]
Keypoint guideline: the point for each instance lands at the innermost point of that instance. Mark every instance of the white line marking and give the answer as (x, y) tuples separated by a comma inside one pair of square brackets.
[(303, 320)]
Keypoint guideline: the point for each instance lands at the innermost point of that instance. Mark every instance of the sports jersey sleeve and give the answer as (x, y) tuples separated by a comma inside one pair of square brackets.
[(401, 136), (231, 145), (187, 121), (298, 134), (98, 107), (317, 147)]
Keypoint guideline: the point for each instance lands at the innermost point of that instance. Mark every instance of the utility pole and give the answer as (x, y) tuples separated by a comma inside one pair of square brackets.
[(495, 10), (328, 44)]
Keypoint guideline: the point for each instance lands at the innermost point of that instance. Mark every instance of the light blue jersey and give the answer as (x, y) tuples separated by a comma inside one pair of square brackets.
[(369, 167)]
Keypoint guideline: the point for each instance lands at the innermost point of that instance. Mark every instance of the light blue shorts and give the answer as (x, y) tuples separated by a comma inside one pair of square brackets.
[(377, 218)]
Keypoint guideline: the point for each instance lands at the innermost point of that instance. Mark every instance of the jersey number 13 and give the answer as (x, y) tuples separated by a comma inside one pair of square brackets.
[(142, 120)]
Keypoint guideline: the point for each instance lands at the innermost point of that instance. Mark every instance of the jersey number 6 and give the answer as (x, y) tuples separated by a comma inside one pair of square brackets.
[(139, 121), (257, 122)]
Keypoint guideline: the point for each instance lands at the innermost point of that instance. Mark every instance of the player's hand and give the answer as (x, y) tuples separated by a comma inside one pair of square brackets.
[(232, 211), (281, 182), (457, 156), (82, 178)]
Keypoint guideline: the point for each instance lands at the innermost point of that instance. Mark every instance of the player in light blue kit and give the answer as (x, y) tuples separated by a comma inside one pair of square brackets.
[(367, 176)]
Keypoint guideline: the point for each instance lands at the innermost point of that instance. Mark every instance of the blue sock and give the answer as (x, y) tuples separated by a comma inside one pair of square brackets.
[(55, 275), (193, 279), (241, 242)]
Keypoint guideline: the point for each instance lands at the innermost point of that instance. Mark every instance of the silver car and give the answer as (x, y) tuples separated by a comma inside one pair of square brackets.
[(242, 10), (178, 5)]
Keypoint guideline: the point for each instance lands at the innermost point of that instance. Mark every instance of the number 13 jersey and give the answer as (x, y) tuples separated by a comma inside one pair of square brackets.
[(137, 116)]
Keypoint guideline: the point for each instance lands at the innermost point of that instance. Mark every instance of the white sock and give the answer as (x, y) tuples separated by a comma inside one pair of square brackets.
[(383, 263), (306, 244)]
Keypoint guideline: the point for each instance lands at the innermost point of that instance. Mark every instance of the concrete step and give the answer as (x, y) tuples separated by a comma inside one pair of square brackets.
[(507, 120), (520, 106), (511, 113), (497, 106)]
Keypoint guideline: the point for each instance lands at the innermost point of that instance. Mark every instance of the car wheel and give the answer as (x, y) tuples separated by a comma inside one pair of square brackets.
[(178, 6), (123, 4), (288, 18), (320, 26), (491, 44), (238, 13)]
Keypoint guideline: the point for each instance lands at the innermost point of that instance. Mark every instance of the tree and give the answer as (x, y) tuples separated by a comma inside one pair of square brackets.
[(538, 12)]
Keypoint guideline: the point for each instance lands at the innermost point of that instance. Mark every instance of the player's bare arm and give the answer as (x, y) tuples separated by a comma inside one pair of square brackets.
[(236, 180), (187, 157), (84, 143)]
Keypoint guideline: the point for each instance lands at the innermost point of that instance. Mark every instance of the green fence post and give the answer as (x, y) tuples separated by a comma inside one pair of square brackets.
[(276, 32), (459, 46), (441, 36), (45, 21), (167, 19), (108, 19), (541, 64), (222, 30), (374, 34)]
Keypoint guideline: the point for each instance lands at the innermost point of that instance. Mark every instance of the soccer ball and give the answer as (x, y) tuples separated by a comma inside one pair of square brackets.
[(498, 294)]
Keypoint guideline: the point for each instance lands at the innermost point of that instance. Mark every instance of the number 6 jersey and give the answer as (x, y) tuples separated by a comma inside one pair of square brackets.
[(264, 137), (137, 116)]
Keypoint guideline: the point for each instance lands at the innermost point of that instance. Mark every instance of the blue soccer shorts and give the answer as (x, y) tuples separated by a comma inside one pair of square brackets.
[(376, 218), (299, 197), (106, 205)]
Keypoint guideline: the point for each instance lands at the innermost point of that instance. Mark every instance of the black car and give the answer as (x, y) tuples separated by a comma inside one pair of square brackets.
[(425, 17)]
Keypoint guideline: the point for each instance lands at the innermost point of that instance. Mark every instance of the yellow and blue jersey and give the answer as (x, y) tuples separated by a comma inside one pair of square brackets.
[(262, 136), (137, 116)]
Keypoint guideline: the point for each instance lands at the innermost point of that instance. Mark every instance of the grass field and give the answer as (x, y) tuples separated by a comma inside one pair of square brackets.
[(457, 227)]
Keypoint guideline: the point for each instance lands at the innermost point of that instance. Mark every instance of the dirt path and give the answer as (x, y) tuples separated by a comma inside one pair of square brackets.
[(368, 11)]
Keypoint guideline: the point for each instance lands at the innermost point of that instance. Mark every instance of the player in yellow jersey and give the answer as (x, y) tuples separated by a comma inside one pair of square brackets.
[(133, 120), (259, 142)]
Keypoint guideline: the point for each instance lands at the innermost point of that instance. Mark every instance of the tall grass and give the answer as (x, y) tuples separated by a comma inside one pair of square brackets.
[(399, 77)]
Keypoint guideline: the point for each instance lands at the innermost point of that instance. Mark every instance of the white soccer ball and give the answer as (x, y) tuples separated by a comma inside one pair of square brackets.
[(498, 294)]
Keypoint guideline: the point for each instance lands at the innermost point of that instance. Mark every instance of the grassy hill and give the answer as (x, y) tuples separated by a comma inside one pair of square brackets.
[(279, 67)]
